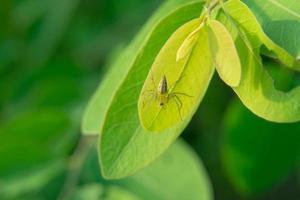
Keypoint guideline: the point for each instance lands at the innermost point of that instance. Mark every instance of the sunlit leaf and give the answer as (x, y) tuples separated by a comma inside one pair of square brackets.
[(225, 55), (187, 81)]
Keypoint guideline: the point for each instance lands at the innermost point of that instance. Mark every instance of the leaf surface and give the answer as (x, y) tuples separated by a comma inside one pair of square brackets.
[(226, 58), (187, 78)]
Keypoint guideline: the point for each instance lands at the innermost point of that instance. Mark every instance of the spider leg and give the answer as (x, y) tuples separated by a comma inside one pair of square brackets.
[(150, 96), (150, 91), (177, 81), (178, 104), (181, 93), (152, 79)]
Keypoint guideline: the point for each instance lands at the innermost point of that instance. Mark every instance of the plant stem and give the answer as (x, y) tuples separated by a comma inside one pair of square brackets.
[(75, 164)]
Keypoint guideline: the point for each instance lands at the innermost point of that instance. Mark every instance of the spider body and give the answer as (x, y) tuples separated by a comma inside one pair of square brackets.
[(163, 94)]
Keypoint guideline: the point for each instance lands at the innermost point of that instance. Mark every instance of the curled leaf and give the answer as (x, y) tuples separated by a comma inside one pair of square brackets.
[(187, 46)]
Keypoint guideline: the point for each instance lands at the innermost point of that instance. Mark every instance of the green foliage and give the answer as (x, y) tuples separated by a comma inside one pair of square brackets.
[(44, 145), (180, 53), (52, 54), (31, 181), (34, 145)]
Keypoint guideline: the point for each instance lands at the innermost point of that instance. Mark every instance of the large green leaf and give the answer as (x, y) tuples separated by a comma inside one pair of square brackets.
[(97, 108), (257, 90), (258, 154), (187, 78), (124, 146), (281, 21), (177, 174)]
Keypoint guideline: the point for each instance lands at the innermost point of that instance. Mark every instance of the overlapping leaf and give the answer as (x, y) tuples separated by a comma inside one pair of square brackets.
[(124, 146), (257, 90)]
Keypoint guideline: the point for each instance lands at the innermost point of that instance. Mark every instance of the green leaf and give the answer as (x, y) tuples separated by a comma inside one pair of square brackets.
[(225, 55), (258, 160), (178, 174), (97, 108), (256, 90), (124, 146), (281, 21), (187, 79)]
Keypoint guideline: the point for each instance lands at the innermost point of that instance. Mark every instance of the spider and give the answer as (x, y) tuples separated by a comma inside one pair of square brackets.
[(162, 95)]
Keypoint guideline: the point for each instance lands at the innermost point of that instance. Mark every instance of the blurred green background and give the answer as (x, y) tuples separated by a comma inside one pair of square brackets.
[(53, 54)]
